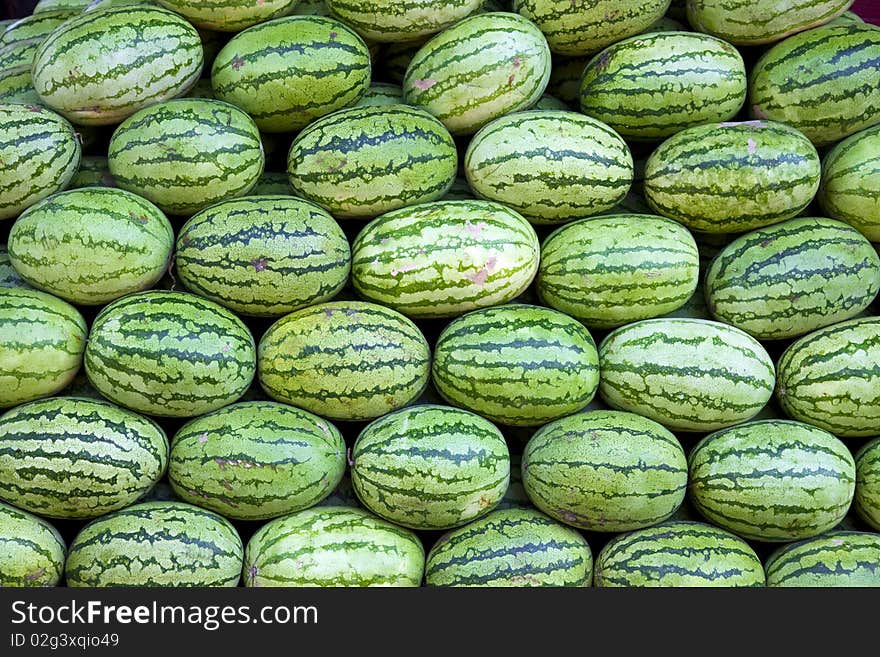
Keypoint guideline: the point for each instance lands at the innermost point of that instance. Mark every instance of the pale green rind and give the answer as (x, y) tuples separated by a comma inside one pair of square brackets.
[(445, 258), (272, 183), (381, 93), (345, 360), (54, 5), (256, 460), (229, 15), (565, 78), (786, 280), (430, 467), (551, 166), (605, 471), (42, 339), (482, 67), (401, 20), (263, 255), (333, 547), (103, 66), (32, 551), (516, 364), (687, 374), (772, 480), (8, 276), (867, 499), (94, 171), (732, 177), (516, 496), (845, 559), (678, 554), (512, 547), (617, 269), (16, 86), (156, 544), (36, 27), (831, 378)]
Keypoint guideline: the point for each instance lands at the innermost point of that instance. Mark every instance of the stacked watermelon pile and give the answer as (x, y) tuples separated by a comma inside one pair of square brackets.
[(297, 293)]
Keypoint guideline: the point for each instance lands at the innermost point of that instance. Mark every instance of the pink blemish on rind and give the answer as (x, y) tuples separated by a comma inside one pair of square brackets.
[(479, 278), (337, 167), (237, 63), (475, 229), (203, 438), (424, 85), (753, 147), (491, 263), (259, 264), (758, 112)]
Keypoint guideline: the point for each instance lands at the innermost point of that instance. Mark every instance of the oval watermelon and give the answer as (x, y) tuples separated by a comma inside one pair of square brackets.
[(867, 497), (228, 15), (32, 552), (847, 559), (394, 21)]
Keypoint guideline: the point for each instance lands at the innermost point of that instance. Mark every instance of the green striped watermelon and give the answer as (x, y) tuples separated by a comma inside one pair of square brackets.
[(613, 270), (201, 89), (772, 480), (548, 102), (850, 189), (170, 354), (289, 71), (482, 67), (187, 154), (78, 458), (401, 20), (346, 360), (823, 82), (95, 5), (847, 559), (651, 86), (53, 5), (228, 15), (516, 364), (342, 495), (272, 183), (94, 171), (42, 339), (845, 18), (666, 24), (381, 93), (20, 40), (430, 467), (103, 66), (516, 496), (396, 58), (510, 547), (687, 374), (580, 28), (831, 378), (678, 553), (551, 166), (605, 471), (459, 191), (792, 278), (16, 86), (333, 547), (445, 258), (156, 544), (256, 460), (311, 8), (365, 161), (263, 255), (40, 154), (733, 177), (867, 498), (753, 22), (32, 551), (565, 78), (8, 276), (92, 245)]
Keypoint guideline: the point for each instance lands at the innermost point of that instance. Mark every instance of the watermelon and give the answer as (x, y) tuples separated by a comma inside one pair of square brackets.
[(263, 255), (430, 467), (510, 547), (170, 354), (273, 183), (156, 544), (333, 547), (867, 498), (516, 496), (617, 269), (754, 22), (678, 553), (40, 154), (102, 66), (8, 276), (772, 480), (346, 360), (311, 8), (54, 5), (26, 35), (32, 551), (831, 378), (846, 18), (651, 86), (94, 5), (42, 339), (396, 20), (396, 58), (580, 28), (381, 93), (850, 188), (342, 495), (94, 171), (732, 177), (565, 78), (789, 279), (665, 24), (228, 15), (845, 558), (516, 364), (90, 246), (365, 161), (824, 82), (687, 374), (187, 154), (16, 86), (551, 166), (445, 258), (482, 67), (548, 102), (606, 471), (256, 460), (289, 71), (78, 458)]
